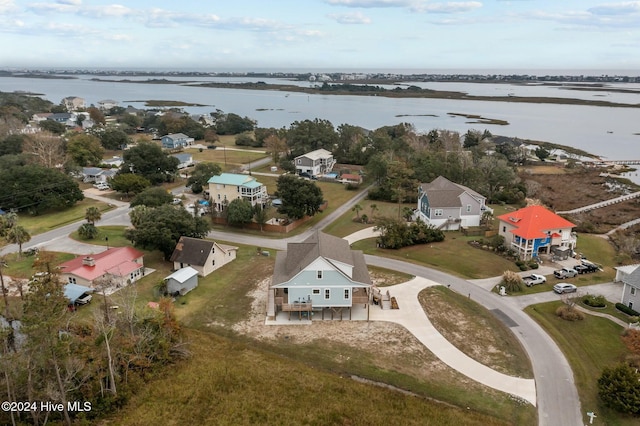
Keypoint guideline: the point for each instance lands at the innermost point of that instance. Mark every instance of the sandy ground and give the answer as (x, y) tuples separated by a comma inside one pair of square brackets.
[(387, 338)]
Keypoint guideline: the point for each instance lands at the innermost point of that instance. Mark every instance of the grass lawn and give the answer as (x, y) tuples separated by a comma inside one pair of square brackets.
[(451, 314), (348, 223), (54, 219), (446, 256), (112, 236), (589, 345), (23, 267), (222, 156)]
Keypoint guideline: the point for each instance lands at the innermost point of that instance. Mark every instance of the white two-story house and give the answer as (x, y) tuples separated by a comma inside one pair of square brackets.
[(315, 163)]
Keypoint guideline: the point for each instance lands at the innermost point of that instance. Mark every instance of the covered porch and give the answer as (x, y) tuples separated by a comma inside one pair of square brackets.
[(282, 311)]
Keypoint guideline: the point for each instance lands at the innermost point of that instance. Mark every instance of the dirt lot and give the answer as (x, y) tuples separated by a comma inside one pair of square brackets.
[(565, 189)]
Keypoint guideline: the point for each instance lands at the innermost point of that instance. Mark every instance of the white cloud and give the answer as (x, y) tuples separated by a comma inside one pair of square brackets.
[(370, 3), (7, 6), (350, 18), (113, 10), (623, 8), (71, 2), (449, 7)]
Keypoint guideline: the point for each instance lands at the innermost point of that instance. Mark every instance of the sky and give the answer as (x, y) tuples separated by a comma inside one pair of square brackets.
[(282, 35)]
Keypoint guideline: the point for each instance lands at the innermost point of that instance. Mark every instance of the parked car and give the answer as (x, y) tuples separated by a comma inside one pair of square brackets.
[(587, 267), (305, 175), (565, 273), (84, 299), (101, 186), (534, 279), (561, 288)]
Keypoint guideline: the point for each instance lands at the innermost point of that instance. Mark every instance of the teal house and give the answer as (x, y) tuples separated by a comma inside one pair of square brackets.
[(319, 278)]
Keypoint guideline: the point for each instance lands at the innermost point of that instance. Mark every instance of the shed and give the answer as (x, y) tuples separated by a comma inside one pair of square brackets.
[(182, 281)]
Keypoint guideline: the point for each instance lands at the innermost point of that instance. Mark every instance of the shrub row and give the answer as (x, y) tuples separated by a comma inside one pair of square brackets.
[(627, 310)]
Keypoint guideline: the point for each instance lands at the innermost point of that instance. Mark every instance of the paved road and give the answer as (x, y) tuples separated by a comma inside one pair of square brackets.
[(558, 402)]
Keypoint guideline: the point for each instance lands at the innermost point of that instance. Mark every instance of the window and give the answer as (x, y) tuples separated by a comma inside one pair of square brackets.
[(327, 293), (316, 291), (213, 249), (438, 212), (468, 208), (213, 262), (319, 275), (346, 293), (72, 280), (298, 161), (504, 229), (633, 291)]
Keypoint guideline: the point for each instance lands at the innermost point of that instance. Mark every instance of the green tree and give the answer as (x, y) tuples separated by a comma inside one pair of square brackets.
[(201, 174), (129, 183), (114, 139), (36, 188), (152, 197), (18, 235), (12, 144), (260, 215), (619, 388), (307, 135), (495, 173), (53, 127), (357, 208), (85, 150), (299, 197), (233, 124), (542, 153), (148, 160), (239, 212), (7, 221), (88, 231), (161, 227), (92, 215)]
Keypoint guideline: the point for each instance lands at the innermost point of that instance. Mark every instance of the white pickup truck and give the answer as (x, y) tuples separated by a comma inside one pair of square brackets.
[(534, 279)]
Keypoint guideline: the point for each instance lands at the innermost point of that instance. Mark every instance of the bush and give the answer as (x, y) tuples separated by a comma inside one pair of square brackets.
[(594, 301), (627, 310), (533, 265), (519, 263), (523, 267), (618, 388), (512, 281), (569, 314)]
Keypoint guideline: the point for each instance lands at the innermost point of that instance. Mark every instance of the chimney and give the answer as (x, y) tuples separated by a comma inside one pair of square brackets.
[(88, 261)]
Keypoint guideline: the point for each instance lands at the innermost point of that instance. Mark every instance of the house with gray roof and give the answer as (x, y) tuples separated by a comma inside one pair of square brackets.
[(185, 160), (320, 276), (176, 140), (631, 289), (205, 256), (450, 206), (315, 163)]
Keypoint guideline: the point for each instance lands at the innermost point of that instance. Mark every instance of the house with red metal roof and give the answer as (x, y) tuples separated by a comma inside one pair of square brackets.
[(534, 229), (122, 265)]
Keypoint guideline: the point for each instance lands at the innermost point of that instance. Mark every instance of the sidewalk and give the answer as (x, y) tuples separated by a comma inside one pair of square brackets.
[(412, 317)]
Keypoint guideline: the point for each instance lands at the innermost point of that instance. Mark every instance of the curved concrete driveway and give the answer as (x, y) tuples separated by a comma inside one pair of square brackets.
[(411, 315)]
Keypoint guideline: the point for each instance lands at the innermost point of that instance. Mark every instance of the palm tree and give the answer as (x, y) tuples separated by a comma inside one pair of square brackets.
[(7, 222), (357, 209), (92, 215), (3, 264), (18, 235), (374, 208)]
